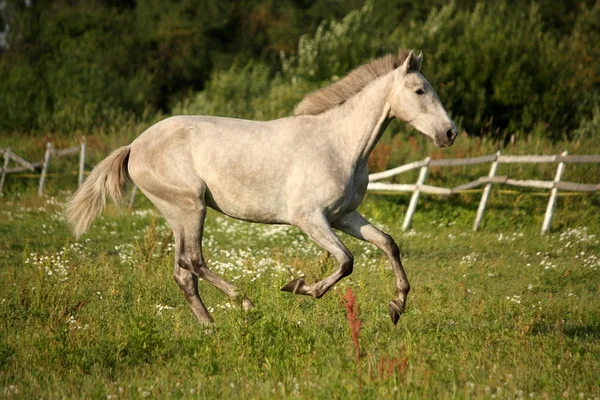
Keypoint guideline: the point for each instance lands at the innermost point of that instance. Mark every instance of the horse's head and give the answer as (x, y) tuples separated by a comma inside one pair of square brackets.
[(414, 101)]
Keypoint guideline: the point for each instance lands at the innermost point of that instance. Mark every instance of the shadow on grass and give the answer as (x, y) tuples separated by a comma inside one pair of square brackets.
[(575, 332)]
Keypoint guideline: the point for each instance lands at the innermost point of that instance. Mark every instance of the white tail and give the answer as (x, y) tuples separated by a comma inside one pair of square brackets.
[(110, 176)]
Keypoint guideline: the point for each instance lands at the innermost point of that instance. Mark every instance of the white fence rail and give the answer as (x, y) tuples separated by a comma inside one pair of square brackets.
[(22, 165), (417, 188), (488, 180)]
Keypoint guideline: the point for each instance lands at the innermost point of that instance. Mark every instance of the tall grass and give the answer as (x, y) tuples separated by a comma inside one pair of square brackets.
[(498, 313)]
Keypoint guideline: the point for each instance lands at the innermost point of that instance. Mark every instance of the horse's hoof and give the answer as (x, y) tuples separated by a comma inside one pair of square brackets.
[(293, 286), (247, 304), (205, 320), (395, 310)]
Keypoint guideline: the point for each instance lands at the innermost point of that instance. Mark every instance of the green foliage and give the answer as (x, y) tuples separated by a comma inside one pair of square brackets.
[(22, 98), (81, 65), (143, 342), (6, 353), (245, 92), (497, 67), (336, 47), (500, 68), (589, 127), (230, 92)]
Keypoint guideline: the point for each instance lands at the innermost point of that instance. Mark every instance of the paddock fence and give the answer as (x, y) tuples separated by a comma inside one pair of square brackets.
[(20, 165), (495, 159)]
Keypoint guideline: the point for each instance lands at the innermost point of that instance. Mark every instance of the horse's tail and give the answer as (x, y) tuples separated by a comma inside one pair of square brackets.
[(110, 176)]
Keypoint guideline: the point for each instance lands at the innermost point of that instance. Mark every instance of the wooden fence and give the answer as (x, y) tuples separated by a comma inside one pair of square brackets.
[(488, 180), (374, 184), (23, 165)]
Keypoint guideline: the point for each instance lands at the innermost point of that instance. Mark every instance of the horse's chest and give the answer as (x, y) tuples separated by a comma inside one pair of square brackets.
[(351, 194), (360, 183)]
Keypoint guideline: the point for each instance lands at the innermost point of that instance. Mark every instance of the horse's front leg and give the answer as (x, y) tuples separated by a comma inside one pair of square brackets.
[(317, 227), (356, 225)]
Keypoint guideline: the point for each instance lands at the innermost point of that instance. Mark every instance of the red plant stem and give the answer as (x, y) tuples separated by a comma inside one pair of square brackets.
[(353, 320)]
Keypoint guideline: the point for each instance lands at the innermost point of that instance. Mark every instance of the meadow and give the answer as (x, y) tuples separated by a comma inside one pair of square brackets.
[(501, 313)]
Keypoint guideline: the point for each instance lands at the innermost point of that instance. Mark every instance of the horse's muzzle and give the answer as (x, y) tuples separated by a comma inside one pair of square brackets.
[(447, 138)]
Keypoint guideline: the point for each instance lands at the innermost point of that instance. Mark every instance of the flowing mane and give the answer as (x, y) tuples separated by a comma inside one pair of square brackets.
[(339, 92)]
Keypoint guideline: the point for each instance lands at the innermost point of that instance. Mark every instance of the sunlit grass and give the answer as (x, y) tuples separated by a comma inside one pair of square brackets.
[(503, 312)]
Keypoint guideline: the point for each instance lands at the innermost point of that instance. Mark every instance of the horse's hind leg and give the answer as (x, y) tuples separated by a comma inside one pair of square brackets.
[(354, 224), (318, 228), (190, 256), (187, 223), (188, 282)]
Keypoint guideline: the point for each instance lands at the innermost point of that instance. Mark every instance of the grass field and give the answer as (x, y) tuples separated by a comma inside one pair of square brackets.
[(501, 313)]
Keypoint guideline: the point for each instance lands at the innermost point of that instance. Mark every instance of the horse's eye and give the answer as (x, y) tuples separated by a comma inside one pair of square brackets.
[(420, 92)]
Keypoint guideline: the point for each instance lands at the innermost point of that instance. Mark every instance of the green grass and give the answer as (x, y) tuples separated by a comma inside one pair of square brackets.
[(502, 313)]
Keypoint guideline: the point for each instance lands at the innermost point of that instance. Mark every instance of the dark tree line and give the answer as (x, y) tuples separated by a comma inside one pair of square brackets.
[(79, 65)]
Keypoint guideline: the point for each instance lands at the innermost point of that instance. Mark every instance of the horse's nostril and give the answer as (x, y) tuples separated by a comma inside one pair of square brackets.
[(450, 134)]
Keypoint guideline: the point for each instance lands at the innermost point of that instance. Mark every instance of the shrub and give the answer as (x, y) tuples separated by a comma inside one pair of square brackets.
[(499, 68)]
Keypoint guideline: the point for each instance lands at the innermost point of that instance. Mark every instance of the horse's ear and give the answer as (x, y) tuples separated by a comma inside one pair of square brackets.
[(412, 63), (419, 61)]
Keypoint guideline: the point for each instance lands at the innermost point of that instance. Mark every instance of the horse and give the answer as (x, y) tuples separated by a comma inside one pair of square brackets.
[(308, 170)]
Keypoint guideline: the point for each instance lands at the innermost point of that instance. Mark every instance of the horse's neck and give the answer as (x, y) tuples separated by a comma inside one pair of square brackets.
[(360, 122)]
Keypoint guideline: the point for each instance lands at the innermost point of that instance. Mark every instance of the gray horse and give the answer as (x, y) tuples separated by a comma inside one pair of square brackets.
[(308, 170)]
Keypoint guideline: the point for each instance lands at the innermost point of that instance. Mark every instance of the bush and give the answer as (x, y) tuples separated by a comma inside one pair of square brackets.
[(22, 98), (244, 92), (495, 67), (336, 47), (499, 69)]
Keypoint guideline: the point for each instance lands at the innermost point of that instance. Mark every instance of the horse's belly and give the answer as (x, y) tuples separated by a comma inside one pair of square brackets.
[(246, 204), (346, 204)]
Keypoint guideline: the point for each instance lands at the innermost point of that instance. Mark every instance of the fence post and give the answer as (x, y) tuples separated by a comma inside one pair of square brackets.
[(4, 168), (81, 162), (552, 201), (415, 196), (44, 169), (486, 194), (133, 193)]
